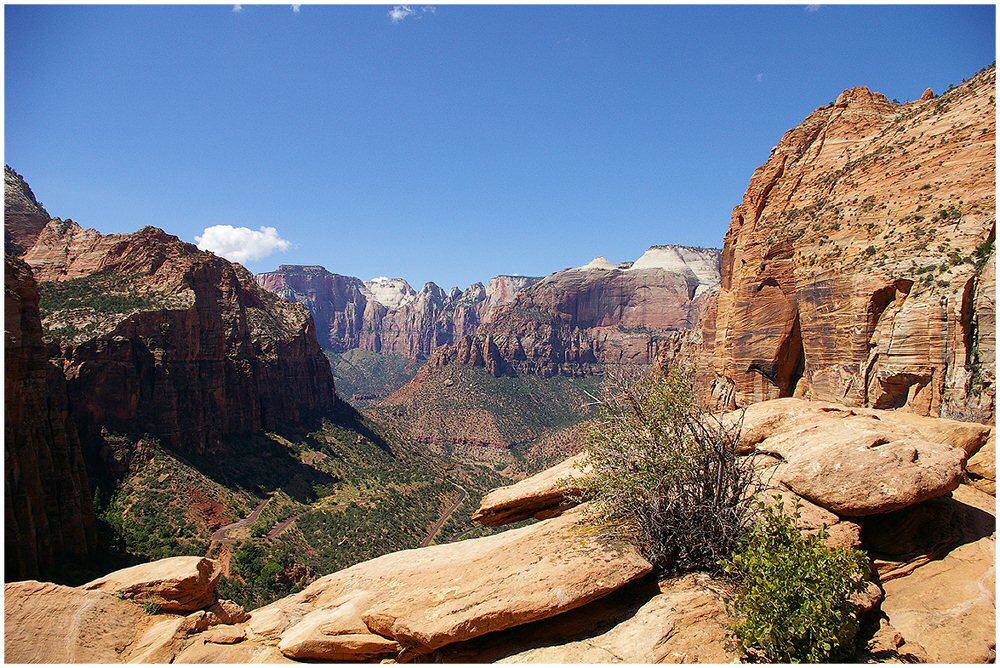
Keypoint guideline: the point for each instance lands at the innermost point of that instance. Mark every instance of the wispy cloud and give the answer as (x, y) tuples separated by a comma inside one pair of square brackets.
[(237, 8), (400, 13), (759, 77), (240, 244), (812, 9), (296, 8)]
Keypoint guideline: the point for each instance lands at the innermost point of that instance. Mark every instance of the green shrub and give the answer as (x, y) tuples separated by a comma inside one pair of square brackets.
[(665, 475), (793, 597)]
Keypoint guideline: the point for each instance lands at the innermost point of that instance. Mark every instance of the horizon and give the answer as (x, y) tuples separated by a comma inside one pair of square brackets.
[(446, 145)]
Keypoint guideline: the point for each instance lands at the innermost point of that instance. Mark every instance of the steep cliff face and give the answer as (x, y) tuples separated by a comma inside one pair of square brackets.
[(386, 315), (24, 216), (602, 313), (563, 323), (859, 268), (158, 337), (49, 515)]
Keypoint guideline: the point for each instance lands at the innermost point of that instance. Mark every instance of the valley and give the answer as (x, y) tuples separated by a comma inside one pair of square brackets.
[(299, 465)]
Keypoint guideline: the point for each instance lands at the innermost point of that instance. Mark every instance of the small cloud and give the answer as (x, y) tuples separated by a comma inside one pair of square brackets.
[(237, 8), (399, 13), (240, 244), (296, 8), (812, 9), (759, 77)]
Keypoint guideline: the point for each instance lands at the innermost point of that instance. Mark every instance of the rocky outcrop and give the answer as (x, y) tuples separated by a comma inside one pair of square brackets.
[(176, 584), (48, 511), (859, 267), (411, 597), (158, 337), (857, 461), (542, 495), (24, 216)]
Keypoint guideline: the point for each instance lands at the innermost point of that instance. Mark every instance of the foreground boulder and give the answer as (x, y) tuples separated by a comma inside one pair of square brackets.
[(177, 584), (982, 467), (542, 495), (430, 597), (856, 461)]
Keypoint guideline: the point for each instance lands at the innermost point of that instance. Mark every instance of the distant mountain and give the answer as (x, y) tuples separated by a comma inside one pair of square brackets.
[(566, 322)]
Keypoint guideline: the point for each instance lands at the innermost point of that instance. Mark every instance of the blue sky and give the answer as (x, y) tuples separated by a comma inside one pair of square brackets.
[(453, 145)]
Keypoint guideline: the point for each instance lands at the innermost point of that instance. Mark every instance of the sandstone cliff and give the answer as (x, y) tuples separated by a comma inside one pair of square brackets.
[(24, 216), (48, 513), (860, 266), (387, 315), (156, 336), (563, 323)]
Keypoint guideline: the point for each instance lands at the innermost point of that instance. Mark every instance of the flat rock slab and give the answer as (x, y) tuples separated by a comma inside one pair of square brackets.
[(176, 584), (686, 622), (544, 493), (430, 597), (949, 606), (50, 623), (855, 461)]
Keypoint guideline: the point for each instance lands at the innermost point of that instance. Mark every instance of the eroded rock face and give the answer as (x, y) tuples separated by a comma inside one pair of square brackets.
[(159, 337), (176, 584), (858, 264), (48, 511), (24, 216), (414, 598)]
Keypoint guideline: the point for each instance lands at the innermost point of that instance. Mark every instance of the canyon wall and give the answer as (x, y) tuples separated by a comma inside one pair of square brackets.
[(48, 512), (156, 336), (564, 323), (860, 266)]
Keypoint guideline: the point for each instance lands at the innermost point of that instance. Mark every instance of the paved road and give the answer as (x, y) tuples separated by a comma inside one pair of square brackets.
[(221, 534), (280, 526), (444, 518)]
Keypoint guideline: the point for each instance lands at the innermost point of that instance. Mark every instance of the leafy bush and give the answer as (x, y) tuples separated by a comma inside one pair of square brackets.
[(665, 475), (794, 593)]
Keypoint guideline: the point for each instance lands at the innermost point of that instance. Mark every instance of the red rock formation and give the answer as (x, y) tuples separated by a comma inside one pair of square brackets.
[(24, 216), (48, 512), (175, 342), (859, 263)]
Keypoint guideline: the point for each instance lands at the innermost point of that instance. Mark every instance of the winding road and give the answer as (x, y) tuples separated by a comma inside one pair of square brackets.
[(444, 518), (221, 534)]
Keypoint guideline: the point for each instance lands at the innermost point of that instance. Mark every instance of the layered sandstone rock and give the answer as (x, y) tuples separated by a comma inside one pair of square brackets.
[(49, 515), (541, 495), (176, 584), (156, 336), (386, 315), (858, 268), (858, 461), (412, 597), (24, 216)]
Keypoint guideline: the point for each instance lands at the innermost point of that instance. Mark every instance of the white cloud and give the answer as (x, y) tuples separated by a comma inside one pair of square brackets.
[(240, 244), (296, 8), (400, 12), (237, 8), (812, 9), (759, 77)]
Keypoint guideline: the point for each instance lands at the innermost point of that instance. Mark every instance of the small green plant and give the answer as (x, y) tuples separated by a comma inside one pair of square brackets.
[(793, 599), (151, 608), (983, 252)]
